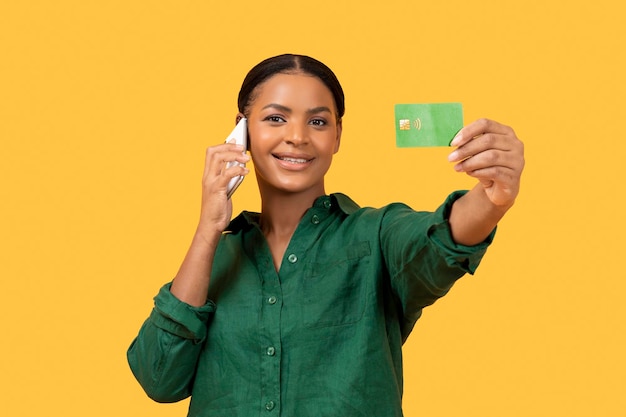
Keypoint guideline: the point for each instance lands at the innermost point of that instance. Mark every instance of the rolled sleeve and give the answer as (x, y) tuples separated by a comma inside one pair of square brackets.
[(179, 318), (423, 260), (465, 257), (164, 354)]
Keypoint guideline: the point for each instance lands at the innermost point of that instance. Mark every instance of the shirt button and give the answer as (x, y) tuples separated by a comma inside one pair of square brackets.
[(271, 351), (327, 204), (272, 300), (269, 406), (315, 219), (292, 258)]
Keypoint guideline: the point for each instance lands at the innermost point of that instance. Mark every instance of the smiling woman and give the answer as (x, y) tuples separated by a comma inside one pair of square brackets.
[(295, 131), (302, 309)]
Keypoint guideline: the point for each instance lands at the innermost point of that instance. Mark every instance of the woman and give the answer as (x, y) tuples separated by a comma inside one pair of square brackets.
[(302, 309)]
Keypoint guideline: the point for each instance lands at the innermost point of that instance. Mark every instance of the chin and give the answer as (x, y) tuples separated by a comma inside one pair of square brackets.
[(293, 187)]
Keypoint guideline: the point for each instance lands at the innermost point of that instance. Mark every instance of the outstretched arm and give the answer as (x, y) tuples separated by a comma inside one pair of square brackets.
[(491, 153)]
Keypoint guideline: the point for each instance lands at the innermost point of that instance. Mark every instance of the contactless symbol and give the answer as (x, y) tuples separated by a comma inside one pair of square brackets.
[(405, 124), (418, 123)]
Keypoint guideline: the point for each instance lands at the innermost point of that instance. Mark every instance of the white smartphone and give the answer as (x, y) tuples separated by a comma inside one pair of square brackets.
[(240, 134)]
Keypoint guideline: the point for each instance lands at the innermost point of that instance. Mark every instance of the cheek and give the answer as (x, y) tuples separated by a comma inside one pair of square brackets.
[(331, 144), (260, 144), (259, 139)]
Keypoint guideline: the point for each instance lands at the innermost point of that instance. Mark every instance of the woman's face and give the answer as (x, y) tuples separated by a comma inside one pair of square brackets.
[(294, 133)]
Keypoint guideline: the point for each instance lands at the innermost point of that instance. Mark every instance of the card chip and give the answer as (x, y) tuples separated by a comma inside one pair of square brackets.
[(405, 124)]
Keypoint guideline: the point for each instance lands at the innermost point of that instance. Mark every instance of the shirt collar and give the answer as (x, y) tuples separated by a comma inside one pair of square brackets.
[(331, 202), (345, 203)]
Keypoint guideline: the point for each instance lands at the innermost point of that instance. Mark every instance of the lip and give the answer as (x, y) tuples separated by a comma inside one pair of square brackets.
[(293, 161)]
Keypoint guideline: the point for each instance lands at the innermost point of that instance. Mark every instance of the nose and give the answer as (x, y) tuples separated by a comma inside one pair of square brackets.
[(296, 134)]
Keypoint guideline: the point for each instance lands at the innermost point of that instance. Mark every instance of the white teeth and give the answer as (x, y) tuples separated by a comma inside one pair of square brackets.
[(294, 160)]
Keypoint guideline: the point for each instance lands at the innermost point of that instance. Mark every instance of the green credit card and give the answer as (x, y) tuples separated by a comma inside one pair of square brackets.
[(433, 124)]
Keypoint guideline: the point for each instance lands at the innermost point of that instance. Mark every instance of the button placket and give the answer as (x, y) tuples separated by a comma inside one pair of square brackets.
[(271, 299)]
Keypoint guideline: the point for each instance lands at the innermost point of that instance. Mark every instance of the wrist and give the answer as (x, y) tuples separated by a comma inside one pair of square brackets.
[(488, 204), (206, 237)]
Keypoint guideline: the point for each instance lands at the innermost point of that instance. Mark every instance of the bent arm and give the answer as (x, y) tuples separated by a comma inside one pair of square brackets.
[(164, 355), (191, 283)]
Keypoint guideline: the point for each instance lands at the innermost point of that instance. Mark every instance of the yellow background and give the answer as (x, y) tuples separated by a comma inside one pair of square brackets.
[(106, 109)]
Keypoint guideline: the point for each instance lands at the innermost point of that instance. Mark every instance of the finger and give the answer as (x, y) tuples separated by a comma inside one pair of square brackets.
[(488, 159), (501, 179), (497, 174), (231, 164), (482, 143), (223, 181), (477, 128), (235, 171), (218, 184), (513, 169), (218, 156)]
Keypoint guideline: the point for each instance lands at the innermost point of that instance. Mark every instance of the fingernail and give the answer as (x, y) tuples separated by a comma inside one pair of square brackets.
[(453, 156), (456, 140)]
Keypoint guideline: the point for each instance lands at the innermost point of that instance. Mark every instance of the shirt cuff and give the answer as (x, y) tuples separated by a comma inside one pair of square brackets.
[(179, 318), (466, 257)]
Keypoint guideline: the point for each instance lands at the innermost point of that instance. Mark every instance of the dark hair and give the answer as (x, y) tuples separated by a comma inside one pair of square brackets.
[(287, 64)]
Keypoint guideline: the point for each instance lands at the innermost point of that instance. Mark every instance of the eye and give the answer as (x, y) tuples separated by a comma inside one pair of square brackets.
[(318, 122), (275, 119)]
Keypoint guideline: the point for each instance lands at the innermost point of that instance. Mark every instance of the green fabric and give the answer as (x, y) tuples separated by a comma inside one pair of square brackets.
[(323, 337)]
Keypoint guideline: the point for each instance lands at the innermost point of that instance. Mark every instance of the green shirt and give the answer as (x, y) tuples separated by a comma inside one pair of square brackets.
[(321, 337)]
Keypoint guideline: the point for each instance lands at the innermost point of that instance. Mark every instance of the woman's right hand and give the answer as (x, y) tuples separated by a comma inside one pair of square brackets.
[(191, 284), (216, 209)]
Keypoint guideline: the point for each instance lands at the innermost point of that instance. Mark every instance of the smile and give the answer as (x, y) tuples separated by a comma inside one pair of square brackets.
[(292, 160)]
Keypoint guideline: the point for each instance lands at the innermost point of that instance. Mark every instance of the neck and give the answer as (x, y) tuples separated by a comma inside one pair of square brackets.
[(282, 211)]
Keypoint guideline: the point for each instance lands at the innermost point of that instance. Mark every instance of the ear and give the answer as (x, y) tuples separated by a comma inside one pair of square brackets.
[(339, 130), (239, 117)]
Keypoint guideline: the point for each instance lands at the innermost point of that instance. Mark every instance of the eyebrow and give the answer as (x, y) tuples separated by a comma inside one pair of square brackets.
[(286, 109)]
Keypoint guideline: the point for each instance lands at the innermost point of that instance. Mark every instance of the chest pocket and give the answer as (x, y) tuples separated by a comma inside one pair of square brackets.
[(335, 289)]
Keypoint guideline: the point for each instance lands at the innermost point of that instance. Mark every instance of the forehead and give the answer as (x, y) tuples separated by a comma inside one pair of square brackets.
[(295, 91)]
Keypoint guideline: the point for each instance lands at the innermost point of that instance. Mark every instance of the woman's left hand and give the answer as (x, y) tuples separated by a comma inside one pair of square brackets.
[(491, 153)]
